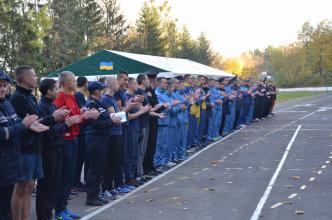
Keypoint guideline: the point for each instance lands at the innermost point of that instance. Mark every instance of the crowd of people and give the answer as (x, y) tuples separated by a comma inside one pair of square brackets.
[(75, 127)]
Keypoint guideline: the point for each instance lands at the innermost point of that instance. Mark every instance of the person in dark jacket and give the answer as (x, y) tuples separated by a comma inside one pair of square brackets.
[(82, 83), (24, 104), (97, 133), (148, 161), (51, 151), (11, 126)]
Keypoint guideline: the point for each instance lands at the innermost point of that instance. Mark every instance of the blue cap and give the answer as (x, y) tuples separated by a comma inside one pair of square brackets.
[(95, 85), (4, 76)]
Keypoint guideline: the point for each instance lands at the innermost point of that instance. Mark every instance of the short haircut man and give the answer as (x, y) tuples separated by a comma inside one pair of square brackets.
[(81, 81), (45, 85), (141, 78), (64, 76), (20, 72)]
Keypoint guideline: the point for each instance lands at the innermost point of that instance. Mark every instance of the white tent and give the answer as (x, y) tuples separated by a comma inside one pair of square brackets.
[(175, 66)]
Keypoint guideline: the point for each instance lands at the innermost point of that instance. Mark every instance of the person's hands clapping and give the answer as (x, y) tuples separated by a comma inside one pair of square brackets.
[(138, 98), (61, 113), (91, 114), (38, 127), (28, 120), (145, 108), (76, 119), (175, 102)]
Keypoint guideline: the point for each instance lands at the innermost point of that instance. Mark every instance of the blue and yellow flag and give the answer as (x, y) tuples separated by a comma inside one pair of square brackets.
[(106, 65)]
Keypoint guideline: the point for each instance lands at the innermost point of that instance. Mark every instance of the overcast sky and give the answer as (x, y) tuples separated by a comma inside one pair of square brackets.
[(235, 26)]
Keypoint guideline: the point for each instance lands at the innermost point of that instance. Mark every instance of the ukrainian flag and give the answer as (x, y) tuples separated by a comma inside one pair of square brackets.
[(106, 66)]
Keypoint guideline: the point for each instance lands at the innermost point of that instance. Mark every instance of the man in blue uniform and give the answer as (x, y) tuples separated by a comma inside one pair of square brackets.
[(160, 159), (182, 121), (171, 156), (232, 95), (97, 133), (216, 101)]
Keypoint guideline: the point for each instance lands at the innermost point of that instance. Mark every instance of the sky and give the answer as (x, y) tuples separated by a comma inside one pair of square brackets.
[(236, 26)]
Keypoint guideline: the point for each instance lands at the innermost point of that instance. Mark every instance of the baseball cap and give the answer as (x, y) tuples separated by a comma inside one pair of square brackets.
[(95, 85), (4, 76)]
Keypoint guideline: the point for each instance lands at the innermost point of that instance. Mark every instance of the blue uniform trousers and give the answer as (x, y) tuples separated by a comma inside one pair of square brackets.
[(214, 123), (69, 160), (97, 149), (250, 116), (131, 154), (171, 144), (161, 146), (192, 127), (229, 121), (181, 149)]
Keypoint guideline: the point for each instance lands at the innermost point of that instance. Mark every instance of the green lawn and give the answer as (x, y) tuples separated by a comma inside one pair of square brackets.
[(287, 96)]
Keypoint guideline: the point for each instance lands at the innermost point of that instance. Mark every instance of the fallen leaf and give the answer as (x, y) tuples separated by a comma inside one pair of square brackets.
[(299, 212), (215, 162), (296, 177), (207, 189)]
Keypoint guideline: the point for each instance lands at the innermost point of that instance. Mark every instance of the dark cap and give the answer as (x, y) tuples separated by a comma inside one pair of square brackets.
[(180, 78), (4, 76), (221, 80), (95, 85)]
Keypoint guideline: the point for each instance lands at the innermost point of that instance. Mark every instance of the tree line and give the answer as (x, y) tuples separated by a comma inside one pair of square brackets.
[(50, 34), (305, 62)]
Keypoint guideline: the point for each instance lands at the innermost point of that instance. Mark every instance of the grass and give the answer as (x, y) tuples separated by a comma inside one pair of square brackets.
[(288, 96)]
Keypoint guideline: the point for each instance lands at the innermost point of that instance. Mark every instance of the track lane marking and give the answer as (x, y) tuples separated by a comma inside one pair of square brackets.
[(260, 205)]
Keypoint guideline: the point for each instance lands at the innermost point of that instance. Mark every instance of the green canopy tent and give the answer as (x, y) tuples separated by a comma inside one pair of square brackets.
[(92, 66)]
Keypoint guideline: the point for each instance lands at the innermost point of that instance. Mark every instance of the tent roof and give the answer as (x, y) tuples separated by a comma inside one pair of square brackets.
[(138, 63)]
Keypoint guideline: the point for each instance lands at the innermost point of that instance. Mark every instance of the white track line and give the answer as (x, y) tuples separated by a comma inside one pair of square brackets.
[(292, 196), (303, 187), (103, 208), (267, 192), (276, 205)]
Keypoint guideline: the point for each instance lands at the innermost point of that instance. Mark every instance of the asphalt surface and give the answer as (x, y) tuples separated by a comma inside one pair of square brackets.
[(229, 179)]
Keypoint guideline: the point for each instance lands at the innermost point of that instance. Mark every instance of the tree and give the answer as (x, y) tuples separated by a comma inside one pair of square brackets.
[(91, 19), (23, 29), (148, 27), (115, 27), (67, 35), (186, 43), (203, 51)]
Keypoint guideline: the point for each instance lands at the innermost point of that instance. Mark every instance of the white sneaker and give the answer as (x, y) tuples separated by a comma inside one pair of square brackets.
[(170, 164)]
